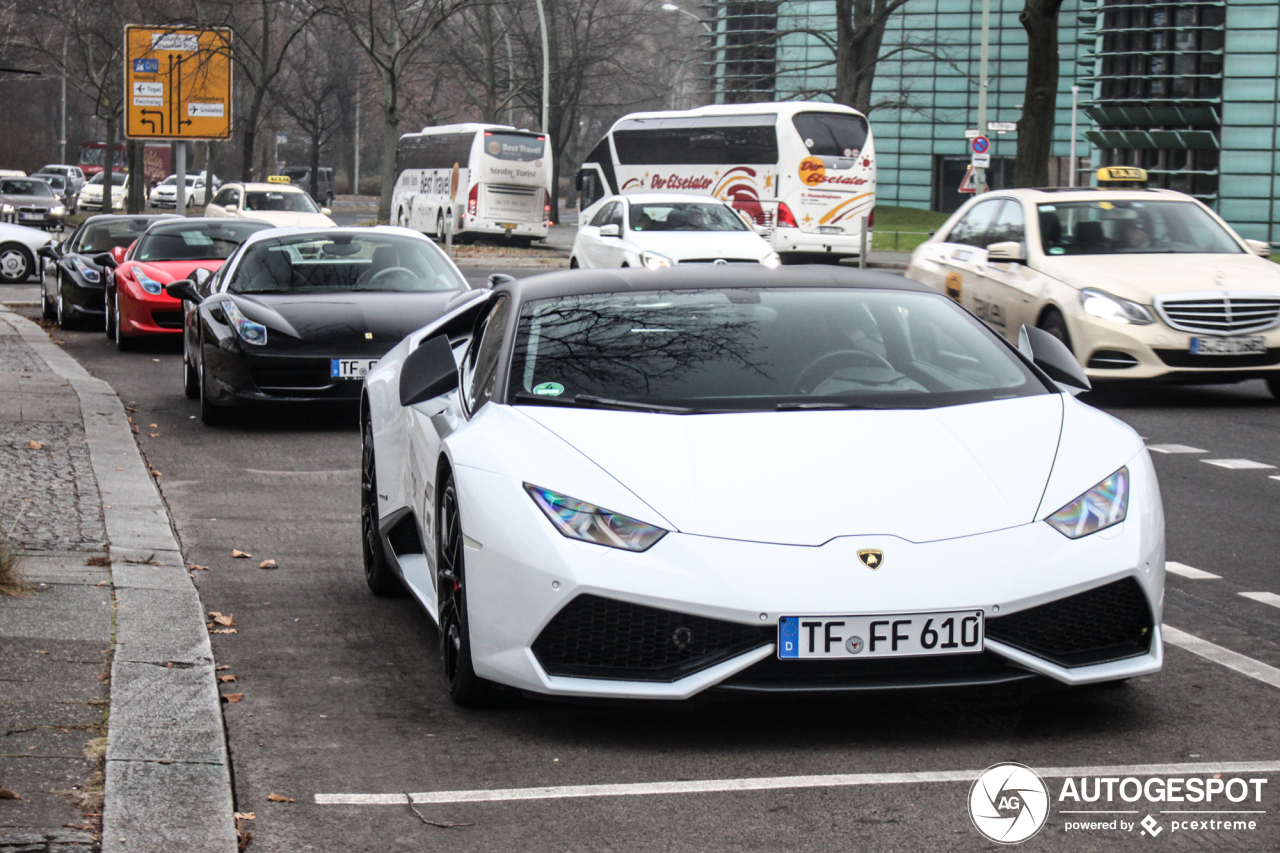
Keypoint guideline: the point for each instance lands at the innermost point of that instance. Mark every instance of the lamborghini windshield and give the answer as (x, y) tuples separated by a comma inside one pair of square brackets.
[(760, 349)]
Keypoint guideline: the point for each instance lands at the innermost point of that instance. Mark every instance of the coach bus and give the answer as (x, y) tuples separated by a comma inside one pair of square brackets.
[(488, 178), (803, 171), (156, 160)]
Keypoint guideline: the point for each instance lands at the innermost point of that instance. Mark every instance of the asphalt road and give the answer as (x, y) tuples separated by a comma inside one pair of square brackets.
[(343, 691)]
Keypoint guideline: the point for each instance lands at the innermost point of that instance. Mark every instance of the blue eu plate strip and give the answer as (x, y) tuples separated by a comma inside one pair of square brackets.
[(789, 637)]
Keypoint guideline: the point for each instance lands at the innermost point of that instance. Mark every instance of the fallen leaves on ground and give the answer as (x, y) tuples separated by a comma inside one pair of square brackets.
[(6, 794), (268, 564), (221, 667), (243, 840), (232, 697), (220, 619), (130, 411), (224, 631), (34, 445), (276, 798), (193, 567), (99, 562), (223, 679), (154, 434), (155, 473), (245, 816), (153, 426), (240, 555)]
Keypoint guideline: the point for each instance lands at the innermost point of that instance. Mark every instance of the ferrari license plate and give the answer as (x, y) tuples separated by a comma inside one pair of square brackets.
[(351, 368), (830, 229), (954, 632), (1228, 346)]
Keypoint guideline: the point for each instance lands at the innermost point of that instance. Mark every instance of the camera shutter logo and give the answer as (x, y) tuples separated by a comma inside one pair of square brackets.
[(1009, 803)]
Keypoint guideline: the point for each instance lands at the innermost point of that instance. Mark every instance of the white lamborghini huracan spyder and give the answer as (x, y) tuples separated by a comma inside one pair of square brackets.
[(650, 483)]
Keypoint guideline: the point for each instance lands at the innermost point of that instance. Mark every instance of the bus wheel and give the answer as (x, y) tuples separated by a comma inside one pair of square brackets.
[(440, 225)]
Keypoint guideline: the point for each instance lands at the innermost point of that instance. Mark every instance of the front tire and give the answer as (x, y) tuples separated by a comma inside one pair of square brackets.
[(210, 415), (440, 226), (124, 344), (573, 263), (16, 263), (378, 573), (1055, 324), (47, 309), (190, 379), (1273, 385), (465, 687)]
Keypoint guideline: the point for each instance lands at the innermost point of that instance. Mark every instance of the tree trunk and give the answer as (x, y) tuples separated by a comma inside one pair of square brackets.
[(135, 193), (390, 139), (1035, 129), (246, 150), (860, 26), (109, 163), (315, 168)]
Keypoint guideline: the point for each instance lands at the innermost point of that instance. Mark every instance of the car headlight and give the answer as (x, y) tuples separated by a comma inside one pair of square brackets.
[(654, 261), (1105, 306), (149, 284), (771, 260), (6, 208), (90, 274), (578, 520), (57, 210), (249, 331), (1103, 506)]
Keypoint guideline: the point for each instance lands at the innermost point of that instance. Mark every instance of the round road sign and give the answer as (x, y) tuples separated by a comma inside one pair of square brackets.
[(980, 145)]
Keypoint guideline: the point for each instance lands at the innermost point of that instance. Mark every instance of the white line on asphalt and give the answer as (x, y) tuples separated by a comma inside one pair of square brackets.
[(1231, 660), (1236, 464), (1174, 448), (1265, 597), (1188, 572), (774, 783), (1275, 476)]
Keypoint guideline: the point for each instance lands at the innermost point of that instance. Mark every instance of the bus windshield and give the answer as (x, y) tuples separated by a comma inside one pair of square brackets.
[(832, 134)]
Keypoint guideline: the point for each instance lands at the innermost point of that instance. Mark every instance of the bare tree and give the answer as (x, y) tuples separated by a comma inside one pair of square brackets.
[(316, 72), (391, 33), (1035, 129)]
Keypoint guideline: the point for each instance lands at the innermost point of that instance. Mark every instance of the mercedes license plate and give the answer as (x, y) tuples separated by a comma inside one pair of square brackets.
[(351, 368), (830, 229), (1228, 346), (950, 633)]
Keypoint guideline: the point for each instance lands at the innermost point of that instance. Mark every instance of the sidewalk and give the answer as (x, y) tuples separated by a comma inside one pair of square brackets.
[(108, 705)]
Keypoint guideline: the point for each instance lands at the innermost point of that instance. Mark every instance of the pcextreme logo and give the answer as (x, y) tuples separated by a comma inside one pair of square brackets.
[(1009, 803)]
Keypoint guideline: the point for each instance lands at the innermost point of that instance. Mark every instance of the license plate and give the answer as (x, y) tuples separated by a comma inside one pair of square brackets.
[(351, 368), (33, 216), (901, 635), (513, 226), (830, 229), (1227, 346)]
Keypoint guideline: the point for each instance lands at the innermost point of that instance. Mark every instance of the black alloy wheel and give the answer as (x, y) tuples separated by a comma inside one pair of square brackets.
[(210, 415), (378, 573), (124, 344), (465, 687), (190, 379), (1055, 324), (47, 309)]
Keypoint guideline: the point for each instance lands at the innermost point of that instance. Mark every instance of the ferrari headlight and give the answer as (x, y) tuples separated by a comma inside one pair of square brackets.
[(654, 261), (577, 520), (249, 331), (91, 275), (149, 284), (1105, 306), (1103, 506), (772, 261)]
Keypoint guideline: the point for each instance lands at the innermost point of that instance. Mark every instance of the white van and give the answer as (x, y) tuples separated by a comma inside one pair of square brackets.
[(804, 171), (489, 178)]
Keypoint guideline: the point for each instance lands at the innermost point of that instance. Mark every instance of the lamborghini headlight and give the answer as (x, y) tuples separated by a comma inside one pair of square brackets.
[(578, 520), (654, 261), (249, 331), (149, 284), (1103, 506)]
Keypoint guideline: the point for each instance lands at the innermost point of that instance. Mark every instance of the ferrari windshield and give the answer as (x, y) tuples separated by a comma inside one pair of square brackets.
[(344, 262), (760, 349), (279, 200), (202, 241), (1132, 228), (108, 232)]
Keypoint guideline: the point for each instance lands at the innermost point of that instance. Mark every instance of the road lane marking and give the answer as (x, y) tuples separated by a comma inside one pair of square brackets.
[(1231, 660), (1265, 597), (1236, 464), (1188, 572), (1174, 448), (774, 783)]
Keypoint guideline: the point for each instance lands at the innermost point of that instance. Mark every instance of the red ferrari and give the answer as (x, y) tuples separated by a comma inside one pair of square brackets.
[(168, 251)]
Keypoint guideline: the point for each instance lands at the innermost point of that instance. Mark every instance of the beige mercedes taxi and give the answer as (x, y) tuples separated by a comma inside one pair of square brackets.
[(275, 201), (1139, 283)]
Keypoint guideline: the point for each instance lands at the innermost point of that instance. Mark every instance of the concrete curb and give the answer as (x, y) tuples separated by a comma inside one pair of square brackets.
[(168, 777)]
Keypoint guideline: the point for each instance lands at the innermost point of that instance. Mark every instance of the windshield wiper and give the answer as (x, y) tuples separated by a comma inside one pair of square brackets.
[(591, 401), (829, 404)]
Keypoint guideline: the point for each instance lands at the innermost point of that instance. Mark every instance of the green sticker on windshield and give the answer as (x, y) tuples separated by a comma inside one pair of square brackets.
[(548, 389), (1057, 250)]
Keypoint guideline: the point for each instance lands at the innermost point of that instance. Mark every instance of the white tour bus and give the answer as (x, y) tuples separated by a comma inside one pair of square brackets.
[(490, 178), (804, 171)]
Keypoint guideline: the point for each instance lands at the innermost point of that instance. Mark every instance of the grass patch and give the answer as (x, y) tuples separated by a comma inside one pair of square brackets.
[(10, 582), (889, 218)]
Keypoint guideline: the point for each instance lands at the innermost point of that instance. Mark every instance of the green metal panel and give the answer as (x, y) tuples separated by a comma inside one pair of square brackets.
[(1246, 162), (1240, 17), (1241, 113), (1248, 137), (1250, 64), (1241, 210), (1249, 90), (1243, 186)]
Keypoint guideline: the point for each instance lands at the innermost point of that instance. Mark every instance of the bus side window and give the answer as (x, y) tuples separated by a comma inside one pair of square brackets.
[(590, 187)]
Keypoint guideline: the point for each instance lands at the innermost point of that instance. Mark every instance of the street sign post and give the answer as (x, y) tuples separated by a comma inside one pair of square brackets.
[(1002, 126), (980, 156), (177, 83), (980, 161)]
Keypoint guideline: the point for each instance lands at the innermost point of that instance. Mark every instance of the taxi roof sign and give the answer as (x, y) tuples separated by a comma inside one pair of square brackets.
[(278, 179), (177, 82), (1112, 176)]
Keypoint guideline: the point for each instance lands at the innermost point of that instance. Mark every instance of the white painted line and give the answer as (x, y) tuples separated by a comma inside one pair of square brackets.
[(1174, 448), (1265, 673), (1188, 572), (1265, 597), (1275, 477), (1236, 464), (774, 783)]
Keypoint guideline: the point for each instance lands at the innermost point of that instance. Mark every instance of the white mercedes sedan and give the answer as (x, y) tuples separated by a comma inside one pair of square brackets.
[(649, 484), (658, 230)]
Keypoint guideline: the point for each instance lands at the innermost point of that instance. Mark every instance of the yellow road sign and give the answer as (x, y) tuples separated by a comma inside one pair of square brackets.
[(177, 83)]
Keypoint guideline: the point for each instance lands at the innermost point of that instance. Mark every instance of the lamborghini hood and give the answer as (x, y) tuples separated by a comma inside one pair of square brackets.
[(803, 478)]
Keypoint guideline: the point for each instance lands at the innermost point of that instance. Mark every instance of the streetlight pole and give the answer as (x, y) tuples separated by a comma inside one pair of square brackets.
[(546, 68), (672, 7), (1075, 102), (62, 137), (980, 175)]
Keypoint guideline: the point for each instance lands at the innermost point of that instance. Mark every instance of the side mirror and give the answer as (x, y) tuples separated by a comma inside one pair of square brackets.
[(610, 231), (428, 372), (117, 253), (200, 277), (47, 251), (1261, 248), (229, 208), (1006, 253), (498, 278), (1052, 356), (104, 259), (183, 290), (326, 211)]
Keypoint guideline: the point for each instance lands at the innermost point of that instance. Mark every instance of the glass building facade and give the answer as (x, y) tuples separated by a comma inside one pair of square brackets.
[(1186, 90)]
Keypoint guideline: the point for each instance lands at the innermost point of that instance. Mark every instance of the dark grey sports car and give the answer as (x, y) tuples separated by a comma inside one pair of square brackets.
[(300, 315)]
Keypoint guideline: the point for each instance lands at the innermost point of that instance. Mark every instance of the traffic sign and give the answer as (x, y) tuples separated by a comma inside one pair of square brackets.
[(972, 133), (969, 183), (1002, 126), (980, 145), (177, 83), (980, 161)]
